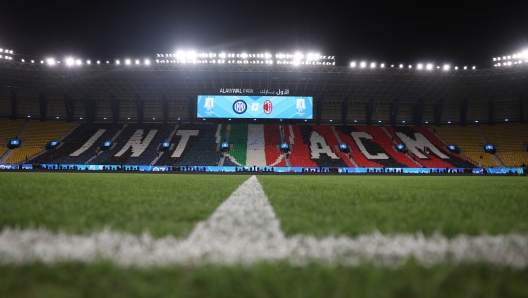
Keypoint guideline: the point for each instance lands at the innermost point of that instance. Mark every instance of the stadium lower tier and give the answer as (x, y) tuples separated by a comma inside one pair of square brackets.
[(310, 146)]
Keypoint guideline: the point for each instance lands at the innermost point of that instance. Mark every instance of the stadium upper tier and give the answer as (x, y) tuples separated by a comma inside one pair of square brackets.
[(39, 89)]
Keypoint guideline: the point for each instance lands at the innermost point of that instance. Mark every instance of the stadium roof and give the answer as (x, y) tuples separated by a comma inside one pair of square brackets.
[(98, 81)]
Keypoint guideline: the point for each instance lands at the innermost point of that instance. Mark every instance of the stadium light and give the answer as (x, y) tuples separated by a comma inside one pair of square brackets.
[(474, 67), (137, 62), (429, 66), (401, 65), (382, 65), (465, 67), (41, 62), (69, 61), (98, 62), (352, 64), (410, 66), (21, 60), (88, 62), (32, 61), (127, 61), (363, 64), (420, 66), (446, 67), (117, 62), (78, 62), (372, 65), (456, 67), (147, 62)]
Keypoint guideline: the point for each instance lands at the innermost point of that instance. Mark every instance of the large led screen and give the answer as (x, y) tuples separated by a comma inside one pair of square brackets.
[(257, 107)]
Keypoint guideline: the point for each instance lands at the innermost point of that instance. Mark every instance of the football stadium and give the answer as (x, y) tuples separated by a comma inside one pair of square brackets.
[(221, 174)]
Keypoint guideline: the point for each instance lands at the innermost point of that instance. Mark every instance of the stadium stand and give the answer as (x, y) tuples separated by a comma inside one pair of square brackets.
[(107, 157), (151, 149), (357, 156), (470, 142), (272, 137), (513, 159), (300, 155), (382, 144), (321, 151), (74, 142), (9, 129), (424, 150), (201, 150), (328, 133), (455, 159), (238, 138), (35, 137)]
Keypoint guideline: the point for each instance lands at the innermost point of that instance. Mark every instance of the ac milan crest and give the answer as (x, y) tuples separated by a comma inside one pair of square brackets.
[(268, 107)]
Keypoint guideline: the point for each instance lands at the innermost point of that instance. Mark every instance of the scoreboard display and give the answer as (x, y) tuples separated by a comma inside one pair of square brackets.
[(256, 107)]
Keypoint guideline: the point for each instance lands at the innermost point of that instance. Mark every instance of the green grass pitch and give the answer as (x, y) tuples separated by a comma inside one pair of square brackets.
[(80, 203)]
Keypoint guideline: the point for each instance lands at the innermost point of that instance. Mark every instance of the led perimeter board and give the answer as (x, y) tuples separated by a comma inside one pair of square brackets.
[(256, 107)]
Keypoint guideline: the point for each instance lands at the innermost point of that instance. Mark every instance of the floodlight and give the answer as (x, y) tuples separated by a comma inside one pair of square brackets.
[(438, 67), (476, 121), (32, 61), (117, 62), (372, 65), (474, 67), (401, 65), (382, 65), (497, 64), (147, 62), (446, 67), (41, 62), (107, 62), (403, 121), (429, 66), (506, 119), (353, 64), (88, 62), (410, 66), (78, 62), (69, 61), (191, 55), (420, 66), (137, 62), (22, 59), (456, 67), (98, 62), (494, 59), (363, 64), (1, 50), (298, 56), (127, 61)]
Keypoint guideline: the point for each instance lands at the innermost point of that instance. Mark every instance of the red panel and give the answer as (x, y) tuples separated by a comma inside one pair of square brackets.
[(272, 139), (359, 158), (382, 139), (300, 155)]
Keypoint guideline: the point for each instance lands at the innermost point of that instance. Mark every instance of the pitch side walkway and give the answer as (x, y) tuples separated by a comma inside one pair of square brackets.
[(244, 229)]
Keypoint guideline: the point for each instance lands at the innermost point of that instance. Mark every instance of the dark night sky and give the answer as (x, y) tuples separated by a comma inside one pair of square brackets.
[(394, 32)]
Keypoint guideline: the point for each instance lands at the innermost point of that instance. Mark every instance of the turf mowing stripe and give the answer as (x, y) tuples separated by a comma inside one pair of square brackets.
[(244, 229)]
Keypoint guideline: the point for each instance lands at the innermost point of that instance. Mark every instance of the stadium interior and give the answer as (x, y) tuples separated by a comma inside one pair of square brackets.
[(361, 117)]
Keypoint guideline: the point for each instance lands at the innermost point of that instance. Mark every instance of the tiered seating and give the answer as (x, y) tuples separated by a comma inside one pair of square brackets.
[(238, 137), (320, 151), (166, 156), (300, 154), (360, 159), (202, 150), (273, 139), (455, 159), (513, 159), (20, 155), (107, 157), (510, 140), (80, 136), (432, 160), (256, 154), (9, 129), (469, 141), (507, 137), (35, 137), (328, 133), (151, 151), (3, 151), (382, 143)]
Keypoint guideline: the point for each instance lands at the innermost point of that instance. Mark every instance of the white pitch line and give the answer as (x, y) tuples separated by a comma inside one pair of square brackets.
[(244, 229)]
